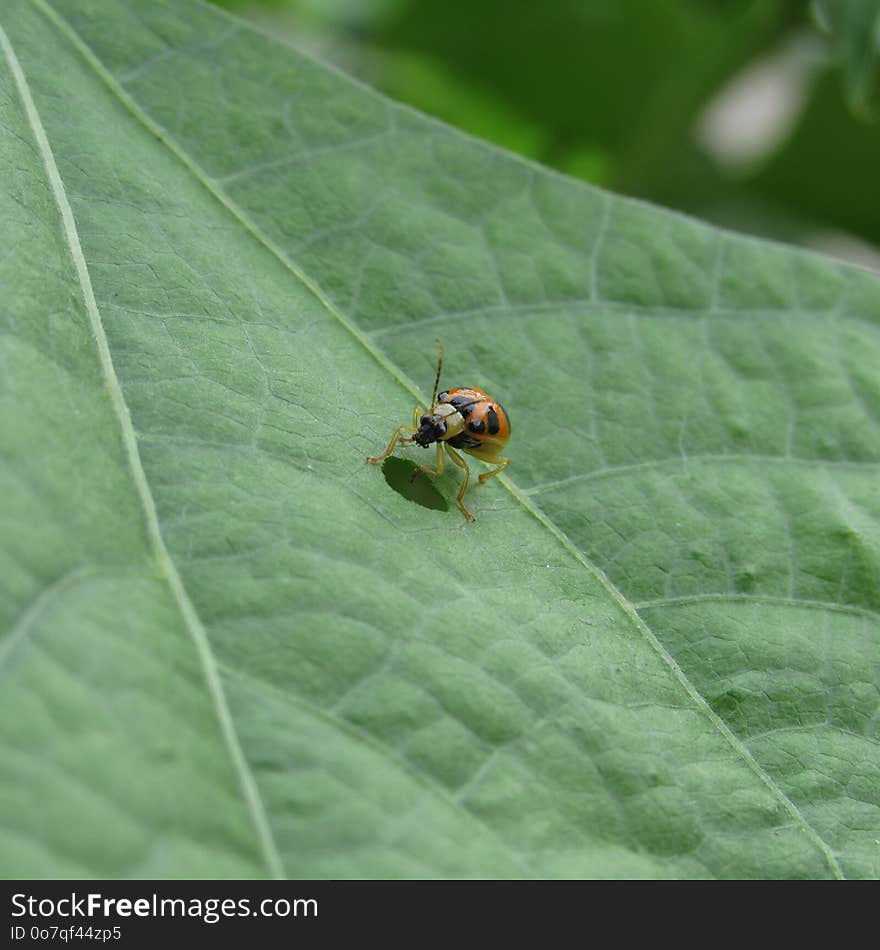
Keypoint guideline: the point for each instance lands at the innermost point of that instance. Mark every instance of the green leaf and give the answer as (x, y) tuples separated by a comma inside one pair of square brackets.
[(230, 647)]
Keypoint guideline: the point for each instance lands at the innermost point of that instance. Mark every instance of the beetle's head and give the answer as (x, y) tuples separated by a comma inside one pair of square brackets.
[(431, 429)]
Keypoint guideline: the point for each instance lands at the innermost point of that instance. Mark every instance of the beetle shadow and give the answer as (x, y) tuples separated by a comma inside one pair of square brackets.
[(399, 475)]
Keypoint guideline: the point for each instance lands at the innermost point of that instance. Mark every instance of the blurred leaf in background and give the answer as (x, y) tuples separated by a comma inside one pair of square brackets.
[(658, 99), (854, 26)]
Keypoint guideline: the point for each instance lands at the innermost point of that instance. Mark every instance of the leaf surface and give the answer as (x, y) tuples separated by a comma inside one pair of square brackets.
[(231, 648)]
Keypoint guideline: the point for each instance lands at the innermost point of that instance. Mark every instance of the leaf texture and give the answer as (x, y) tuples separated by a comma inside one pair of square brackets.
[(230, 649)]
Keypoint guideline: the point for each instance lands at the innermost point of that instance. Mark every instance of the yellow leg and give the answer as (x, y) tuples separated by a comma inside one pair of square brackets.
[(487, 475), (398, 436), (460, 462), (427, 469)]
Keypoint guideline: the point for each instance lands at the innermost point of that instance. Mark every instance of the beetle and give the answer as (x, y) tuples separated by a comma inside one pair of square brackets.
[(466, 419)]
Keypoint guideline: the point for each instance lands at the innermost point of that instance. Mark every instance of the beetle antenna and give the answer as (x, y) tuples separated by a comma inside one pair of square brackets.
[(437, 377)]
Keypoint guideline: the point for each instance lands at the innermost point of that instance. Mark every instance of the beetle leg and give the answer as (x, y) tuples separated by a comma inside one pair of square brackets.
[(427, 469), (487, 475), (460, 462), (398, 435)]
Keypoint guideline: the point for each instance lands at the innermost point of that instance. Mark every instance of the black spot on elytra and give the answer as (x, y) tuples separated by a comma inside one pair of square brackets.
[(464, 404), (492, 419)]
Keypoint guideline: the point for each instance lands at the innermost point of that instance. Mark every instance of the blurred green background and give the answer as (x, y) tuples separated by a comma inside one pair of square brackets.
[(759, 115)]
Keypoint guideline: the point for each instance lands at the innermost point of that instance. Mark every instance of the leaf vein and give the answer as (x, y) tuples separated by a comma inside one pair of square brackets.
[(166, 565), (382, 749), (769, 600), (678, 673), (394, 371), (678, 460), (26, 620)]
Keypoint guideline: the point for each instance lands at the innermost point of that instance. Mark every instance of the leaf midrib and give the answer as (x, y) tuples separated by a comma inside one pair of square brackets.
[(65, 28)]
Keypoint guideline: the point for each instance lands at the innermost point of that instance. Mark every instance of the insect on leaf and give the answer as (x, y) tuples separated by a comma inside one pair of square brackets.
[(230, 648)]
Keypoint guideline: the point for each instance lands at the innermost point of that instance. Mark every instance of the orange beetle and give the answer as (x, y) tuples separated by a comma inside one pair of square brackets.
[(468, 419)]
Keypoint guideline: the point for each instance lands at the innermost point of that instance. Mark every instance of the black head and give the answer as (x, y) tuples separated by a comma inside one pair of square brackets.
[(431, 429)]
